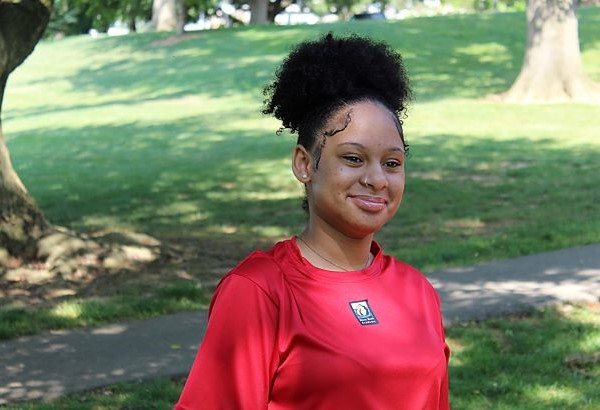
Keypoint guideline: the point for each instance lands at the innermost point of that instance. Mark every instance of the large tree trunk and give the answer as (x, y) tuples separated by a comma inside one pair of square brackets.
[(22, 24), (259, 11), (21, 221), (168, 15), (25, 235), (552, 70)]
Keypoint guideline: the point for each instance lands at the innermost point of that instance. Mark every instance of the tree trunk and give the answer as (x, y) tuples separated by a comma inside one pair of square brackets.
[(168, 15), (552, 70), (21, 222), (131, 24), (258, 11)]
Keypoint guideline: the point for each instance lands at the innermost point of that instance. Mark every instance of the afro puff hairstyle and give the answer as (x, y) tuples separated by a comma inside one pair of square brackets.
[(319, 77)]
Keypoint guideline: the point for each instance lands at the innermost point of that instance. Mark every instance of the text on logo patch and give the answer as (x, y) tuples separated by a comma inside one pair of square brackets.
[(363, 313)]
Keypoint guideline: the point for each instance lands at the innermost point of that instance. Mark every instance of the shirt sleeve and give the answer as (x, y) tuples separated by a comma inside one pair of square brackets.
[(444, 400), (236, 360), (444, 388)]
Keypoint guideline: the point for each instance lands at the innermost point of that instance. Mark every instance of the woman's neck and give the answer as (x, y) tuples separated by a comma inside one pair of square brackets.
[(331, 250)]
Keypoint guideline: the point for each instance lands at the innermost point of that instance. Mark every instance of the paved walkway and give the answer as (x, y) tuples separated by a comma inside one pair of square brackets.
[(53, 364)]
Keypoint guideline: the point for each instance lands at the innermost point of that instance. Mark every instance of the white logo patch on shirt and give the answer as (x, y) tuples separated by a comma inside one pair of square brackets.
[(363, 313)]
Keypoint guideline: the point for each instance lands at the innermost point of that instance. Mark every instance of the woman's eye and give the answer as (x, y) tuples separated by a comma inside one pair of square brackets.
[(352, 158), (393, 164)]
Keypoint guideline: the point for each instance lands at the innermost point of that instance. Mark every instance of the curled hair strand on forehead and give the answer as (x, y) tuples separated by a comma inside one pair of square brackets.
[(330, 133)]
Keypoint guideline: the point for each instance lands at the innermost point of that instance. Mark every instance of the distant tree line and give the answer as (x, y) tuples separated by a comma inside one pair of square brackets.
[(71, 17), (79, 16)]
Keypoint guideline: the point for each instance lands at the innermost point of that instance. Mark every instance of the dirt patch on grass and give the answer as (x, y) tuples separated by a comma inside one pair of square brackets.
[(170, 41), (204, 261)]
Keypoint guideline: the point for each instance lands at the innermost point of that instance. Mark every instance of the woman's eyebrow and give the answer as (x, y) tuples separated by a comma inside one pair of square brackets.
[(355, 144), (359, 145)]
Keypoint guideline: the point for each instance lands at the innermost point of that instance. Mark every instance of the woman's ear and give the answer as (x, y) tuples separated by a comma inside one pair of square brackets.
[(301, 164)]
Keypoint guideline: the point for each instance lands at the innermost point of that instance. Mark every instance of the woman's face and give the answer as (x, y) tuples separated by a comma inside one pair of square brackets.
[(358, 182)]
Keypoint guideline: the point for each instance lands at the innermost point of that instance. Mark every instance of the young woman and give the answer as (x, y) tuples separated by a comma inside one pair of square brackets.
[(325, 320)]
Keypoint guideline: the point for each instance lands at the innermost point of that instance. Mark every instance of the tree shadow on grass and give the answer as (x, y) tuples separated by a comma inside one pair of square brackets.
[(468, 56), (468, 199), (142, 177), (218, 194), (442, 63), (238, 185), (532, 361), (182, 178)]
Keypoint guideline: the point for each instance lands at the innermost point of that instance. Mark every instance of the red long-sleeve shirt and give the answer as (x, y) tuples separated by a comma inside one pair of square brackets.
[(284, 335)]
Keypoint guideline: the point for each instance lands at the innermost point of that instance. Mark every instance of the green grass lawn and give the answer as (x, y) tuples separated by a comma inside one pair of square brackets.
[(540, 360), (141, 133), (168, 139)]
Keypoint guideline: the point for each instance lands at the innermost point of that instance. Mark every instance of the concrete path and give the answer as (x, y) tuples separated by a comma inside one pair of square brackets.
[(491, 289), (57, 363)]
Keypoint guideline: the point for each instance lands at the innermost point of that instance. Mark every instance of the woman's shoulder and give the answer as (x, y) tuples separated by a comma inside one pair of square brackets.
[(260, 262), (402, 266), (408, 272), (262, 268)]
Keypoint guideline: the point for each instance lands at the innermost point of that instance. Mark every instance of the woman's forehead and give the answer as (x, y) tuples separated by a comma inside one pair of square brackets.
[(360, 112)]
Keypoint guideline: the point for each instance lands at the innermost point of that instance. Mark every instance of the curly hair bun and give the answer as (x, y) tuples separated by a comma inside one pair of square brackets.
[(317, 77)]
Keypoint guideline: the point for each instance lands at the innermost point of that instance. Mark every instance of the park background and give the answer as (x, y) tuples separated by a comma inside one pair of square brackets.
[(155, 142)]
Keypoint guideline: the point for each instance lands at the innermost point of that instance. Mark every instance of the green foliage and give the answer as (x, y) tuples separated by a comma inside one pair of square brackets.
[(68, 18), (342, 6), (71, 17), (195, 8), (487, 5), (79, 16), (106, 12)]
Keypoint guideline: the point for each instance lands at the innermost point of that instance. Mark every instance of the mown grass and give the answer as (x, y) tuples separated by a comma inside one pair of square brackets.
[(127, 304), (533, 361), (167, 138), (545, 360)]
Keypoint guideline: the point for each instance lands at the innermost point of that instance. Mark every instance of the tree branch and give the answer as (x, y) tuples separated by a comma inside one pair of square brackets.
[(22, 23)]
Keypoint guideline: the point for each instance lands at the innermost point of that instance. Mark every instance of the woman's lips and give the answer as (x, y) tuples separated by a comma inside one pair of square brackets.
[(369, 203)]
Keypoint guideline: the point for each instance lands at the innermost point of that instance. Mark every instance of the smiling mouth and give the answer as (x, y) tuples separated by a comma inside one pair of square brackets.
[(369, 203)]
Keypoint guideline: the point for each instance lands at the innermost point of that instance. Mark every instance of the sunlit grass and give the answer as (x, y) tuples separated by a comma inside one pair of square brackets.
[(67, 310), (553, 393), (155, 394), (127, 305), (527, 362)]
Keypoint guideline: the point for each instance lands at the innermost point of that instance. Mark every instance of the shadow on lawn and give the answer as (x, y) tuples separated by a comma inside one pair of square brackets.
[(442, 63), (239, 185), (535, 361)]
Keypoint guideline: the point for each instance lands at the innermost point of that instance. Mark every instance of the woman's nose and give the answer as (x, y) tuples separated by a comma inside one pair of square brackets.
[(374, 178)]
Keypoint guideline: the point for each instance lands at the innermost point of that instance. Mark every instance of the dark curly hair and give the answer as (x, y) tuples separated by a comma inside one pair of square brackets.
[(319, 77)]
